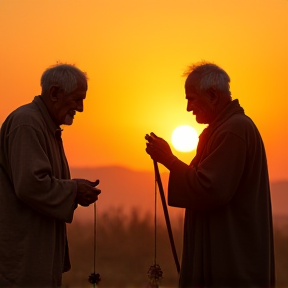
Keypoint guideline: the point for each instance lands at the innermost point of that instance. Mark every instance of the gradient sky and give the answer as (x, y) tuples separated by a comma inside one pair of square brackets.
[(134, 52)]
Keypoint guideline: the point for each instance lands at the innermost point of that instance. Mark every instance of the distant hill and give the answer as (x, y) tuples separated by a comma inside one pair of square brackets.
[(279, 197), (130, 189), (122, 188)]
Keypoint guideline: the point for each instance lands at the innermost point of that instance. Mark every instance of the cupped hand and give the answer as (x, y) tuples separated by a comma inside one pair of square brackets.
[(85, 181), (87, 193), (159, 150)]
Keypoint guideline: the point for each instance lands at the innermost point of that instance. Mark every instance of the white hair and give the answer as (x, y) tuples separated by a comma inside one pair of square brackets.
[(210, 75), (66, 76)]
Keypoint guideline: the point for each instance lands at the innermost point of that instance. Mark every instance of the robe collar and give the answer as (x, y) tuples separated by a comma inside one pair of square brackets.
[(54, 128), (232, 108)]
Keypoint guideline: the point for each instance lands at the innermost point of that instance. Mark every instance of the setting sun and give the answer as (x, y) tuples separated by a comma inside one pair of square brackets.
[(184, 138)]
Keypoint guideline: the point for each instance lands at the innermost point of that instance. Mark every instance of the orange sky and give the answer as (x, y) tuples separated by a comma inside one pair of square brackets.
[(135, 52)]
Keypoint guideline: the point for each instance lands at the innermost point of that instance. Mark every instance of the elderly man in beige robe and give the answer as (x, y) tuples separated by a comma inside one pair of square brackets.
[(228, 234), (37, 196)]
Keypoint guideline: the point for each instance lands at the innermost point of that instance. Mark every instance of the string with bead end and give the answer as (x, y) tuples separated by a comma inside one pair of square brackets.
[(94, 277)]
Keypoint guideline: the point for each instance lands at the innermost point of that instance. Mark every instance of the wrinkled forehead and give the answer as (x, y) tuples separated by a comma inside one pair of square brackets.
[(192, 81), (82, 84)]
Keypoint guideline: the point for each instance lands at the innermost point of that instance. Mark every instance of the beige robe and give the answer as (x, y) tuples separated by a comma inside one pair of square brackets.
[(228, 233), (36, 199)]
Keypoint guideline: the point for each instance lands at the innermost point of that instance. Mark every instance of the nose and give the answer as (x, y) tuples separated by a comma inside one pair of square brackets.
[(80, 106), (189, 106)]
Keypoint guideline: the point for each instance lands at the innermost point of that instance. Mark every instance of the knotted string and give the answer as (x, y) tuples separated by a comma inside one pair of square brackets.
[(155, 273), (94, 237), (94, 278), (155, 222)]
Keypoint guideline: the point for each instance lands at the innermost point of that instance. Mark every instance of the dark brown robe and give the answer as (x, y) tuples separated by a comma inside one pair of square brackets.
[(37, 198), (228, 234)]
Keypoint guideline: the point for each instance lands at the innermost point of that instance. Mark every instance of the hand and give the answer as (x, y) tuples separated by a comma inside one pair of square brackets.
[(159, 150), (87, 193)]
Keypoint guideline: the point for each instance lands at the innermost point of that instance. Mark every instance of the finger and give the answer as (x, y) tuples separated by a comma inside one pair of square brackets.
[(95, 183), (98, 191), (149, 145), (154, 135), (156, 139), (148, 138), (93, 191), (93, 199), (150, 153), (149, 148)]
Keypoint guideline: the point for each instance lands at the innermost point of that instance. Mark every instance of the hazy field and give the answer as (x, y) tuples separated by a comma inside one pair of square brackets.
[(125, 231)]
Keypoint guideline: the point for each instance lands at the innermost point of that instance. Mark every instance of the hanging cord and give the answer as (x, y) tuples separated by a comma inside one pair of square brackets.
[(155, 223), (155, 274), (166, 214), (94, 278), (94, 236)]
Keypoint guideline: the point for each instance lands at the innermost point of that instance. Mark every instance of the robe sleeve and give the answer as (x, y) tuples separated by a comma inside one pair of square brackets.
[(214, 181), (32, 175)]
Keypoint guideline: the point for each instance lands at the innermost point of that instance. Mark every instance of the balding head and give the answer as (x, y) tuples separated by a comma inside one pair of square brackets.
[(65, 76), (204, 75), (207, 91), (64, 88)]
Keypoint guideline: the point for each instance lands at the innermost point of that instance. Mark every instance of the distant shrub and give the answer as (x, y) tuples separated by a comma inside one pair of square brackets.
[(124, 250), (281, 255)]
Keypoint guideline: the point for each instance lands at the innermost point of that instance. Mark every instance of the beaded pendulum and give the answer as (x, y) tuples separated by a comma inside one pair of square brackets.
[(155, 274), (94, 278)]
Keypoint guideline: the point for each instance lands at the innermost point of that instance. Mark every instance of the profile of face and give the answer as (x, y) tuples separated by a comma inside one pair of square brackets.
[(66, 105), (202, 105)]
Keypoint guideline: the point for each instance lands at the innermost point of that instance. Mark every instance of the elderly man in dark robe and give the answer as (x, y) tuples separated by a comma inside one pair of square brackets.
[(228, 234), (37, 196)]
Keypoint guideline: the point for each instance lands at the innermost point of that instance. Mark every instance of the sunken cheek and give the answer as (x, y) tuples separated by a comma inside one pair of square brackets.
[(71, 106), (66, 110)]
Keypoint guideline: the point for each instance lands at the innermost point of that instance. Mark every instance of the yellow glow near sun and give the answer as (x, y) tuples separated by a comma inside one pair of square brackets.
[(184, 138)]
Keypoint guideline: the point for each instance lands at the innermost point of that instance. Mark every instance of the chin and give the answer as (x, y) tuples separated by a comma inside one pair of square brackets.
[(68, 123), (200, 120), (68, 120)]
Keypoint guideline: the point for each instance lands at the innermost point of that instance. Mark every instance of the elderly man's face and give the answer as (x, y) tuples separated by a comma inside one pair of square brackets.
[(67, 104), (200, 105)]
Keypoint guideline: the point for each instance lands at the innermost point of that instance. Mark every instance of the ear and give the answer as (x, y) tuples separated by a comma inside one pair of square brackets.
[(213, 95), (53, 93)]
